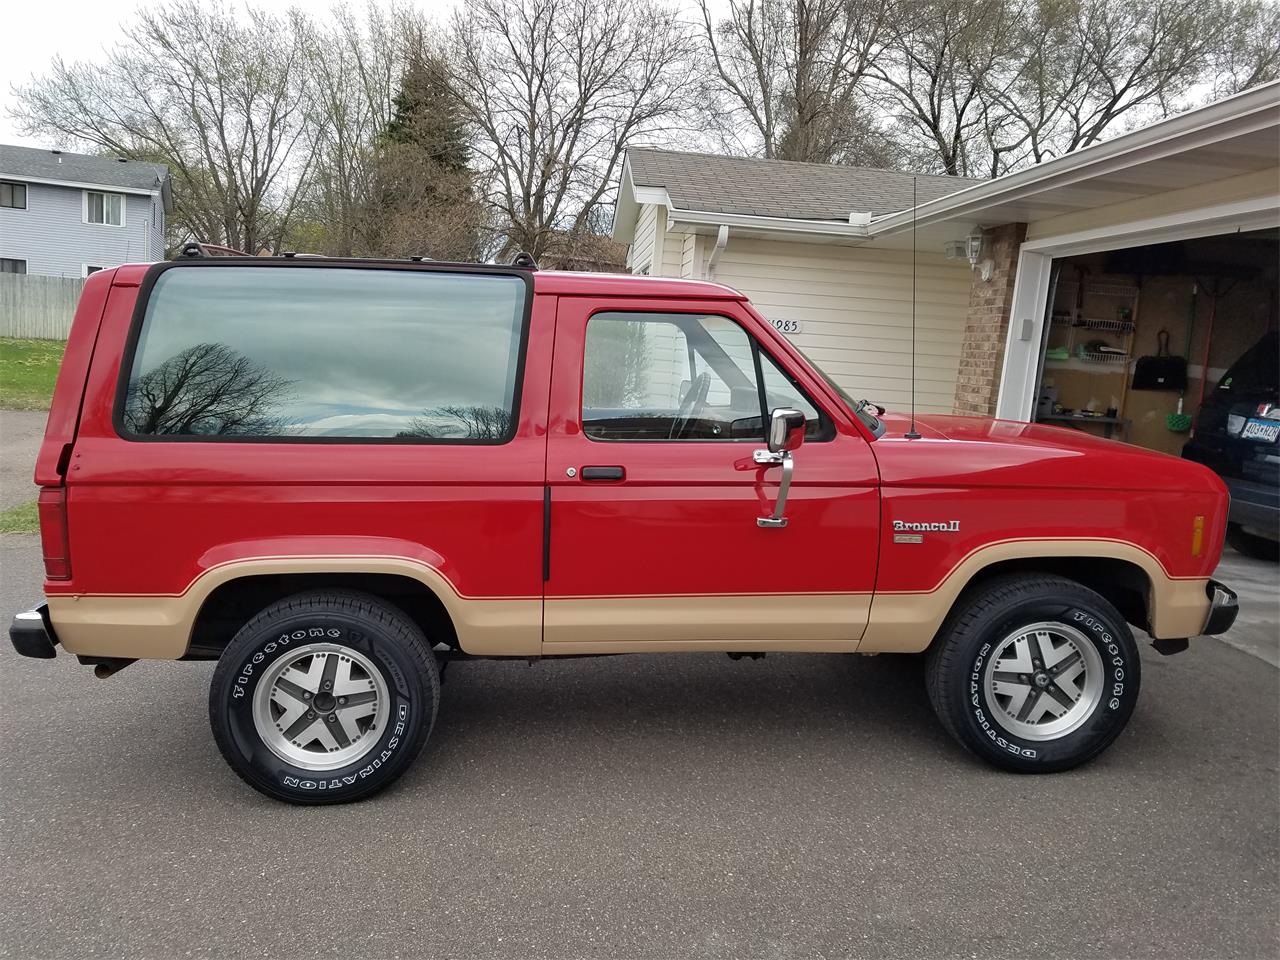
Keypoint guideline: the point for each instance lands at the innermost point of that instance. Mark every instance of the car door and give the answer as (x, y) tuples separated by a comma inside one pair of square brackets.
[(654, 493)]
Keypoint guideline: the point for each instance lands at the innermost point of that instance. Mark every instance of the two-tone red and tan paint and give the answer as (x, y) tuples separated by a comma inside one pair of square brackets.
[(669, 558)]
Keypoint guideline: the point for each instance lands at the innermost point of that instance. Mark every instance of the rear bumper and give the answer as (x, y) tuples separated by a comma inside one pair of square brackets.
[(32, 634), (1223, 608)]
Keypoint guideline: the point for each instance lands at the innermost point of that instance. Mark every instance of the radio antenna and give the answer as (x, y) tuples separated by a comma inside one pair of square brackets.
[(912, 434)]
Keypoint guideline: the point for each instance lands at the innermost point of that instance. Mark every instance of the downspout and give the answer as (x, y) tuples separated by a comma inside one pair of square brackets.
[(722, 241)]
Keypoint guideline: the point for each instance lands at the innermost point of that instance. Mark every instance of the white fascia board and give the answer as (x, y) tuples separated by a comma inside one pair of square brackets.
[(815, 228), (623, 228), (77, 185), (1254, 213), (1243, 113)]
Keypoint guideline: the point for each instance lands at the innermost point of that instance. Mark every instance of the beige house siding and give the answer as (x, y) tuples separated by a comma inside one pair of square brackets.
[(640, 251), (854, 304)]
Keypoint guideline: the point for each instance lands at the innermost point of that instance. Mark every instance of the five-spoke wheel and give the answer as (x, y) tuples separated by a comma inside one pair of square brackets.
[(324, 697)]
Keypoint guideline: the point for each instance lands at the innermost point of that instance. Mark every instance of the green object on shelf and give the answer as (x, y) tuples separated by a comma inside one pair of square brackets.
[(1057, 353)]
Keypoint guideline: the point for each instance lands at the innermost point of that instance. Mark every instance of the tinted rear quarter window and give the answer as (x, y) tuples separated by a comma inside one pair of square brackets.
[(327, 353)]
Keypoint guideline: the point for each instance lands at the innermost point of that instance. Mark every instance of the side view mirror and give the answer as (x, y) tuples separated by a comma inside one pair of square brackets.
[(786, 429)]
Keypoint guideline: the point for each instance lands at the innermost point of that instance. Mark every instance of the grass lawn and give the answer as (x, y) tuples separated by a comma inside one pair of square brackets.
[(20, 519), (27, 371)]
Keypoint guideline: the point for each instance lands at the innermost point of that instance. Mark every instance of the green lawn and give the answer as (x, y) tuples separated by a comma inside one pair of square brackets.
[(20, 519), (27, 371)]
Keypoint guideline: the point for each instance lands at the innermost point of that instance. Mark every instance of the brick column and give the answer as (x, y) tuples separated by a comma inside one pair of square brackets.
[(987, 326)]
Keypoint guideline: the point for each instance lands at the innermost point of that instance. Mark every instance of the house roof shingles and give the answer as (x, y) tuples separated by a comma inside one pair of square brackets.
[(782, 188), (79, 168)]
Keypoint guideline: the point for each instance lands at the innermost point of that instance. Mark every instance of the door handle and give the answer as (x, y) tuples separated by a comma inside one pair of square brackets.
[(603, 473)]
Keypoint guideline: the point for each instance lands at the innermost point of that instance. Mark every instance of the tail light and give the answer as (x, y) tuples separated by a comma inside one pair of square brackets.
[(53, 533)]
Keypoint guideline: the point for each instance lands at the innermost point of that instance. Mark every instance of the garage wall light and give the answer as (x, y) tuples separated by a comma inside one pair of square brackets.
[(970, 248)]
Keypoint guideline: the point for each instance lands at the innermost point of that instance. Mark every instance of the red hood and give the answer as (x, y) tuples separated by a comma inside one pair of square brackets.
[(977, 451)]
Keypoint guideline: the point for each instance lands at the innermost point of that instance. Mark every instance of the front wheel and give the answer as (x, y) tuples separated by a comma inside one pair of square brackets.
[(324, 697), (1034, 674)]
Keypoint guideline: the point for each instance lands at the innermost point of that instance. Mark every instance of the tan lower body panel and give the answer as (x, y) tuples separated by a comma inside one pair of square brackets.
[(159, 627), (816, 623), (908, 622)]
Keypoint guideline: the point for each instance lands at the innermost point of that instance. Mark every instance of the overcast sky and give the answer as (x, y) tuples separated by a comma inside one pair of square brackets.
[(33, 33)]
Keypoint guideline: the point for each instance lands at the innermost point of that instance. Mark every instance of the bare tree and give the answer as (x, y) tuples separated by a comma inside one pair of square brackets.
[(940, 57), (455, 421), (353, 68), (985, 88), (791, 73), (555, 91), (207, 389), (213, 94)]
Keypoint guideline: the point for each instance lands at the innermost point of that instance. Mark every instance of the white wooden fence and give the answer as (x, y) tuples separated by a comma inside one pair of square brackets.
[(37, 308)]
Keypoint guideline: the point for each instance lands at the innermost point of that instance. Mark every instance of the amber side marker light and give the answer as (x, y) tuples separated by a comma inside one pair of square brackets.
[(1197, 536)]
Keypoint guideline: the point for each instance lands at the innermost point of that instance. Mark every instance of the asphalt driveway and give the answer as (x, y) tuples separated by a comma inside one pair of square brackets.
[(664, 806), (20, 434)]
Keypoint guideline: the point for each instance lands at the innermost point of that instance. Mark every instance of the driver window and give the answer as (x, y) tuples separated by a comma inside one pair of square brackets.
[(669, 377)]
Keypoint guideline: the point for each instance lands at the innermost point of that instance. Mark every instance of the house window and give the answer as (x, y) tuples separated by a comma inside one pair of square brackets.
[(105, 208), (90, 269), (9, 265), (13, 195)]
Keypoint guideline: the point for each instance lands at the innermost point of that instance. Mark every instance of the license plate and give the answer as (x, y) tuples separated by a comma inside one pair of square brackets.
[(1261, 430)]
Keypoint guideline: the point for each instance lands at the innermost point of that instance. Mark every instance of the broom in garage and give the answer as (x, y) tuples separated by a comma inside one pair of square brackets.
[(1180, 422)]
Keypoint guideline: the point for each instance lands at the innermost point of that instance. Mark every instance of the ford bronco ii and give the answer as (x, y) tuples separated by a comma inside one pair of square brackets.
[(335, 476)]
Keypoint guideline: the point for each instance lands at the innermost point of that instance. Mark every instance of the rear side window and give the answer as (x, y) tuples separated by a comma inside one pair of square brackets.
[(327, 353)]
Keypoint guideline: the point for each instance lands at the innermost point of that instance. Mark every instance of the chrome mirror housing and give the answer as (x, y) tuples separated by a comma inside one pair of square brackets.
[(786, 429)]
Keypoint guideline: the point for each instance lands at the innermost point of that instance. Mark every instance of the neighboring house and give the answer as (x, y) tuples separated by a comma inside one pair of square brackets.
[(1168, 228), (68, 214)]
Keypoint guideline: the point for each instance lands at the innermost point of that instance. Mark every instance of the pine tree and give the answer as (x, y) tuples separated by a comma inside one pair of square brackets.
[(428, 116)]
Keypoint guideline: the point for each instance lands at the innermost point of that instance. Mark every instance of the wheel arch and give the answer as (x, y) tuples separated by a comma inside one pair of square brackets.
[(234, 602), (175, 626), (1128, 576)]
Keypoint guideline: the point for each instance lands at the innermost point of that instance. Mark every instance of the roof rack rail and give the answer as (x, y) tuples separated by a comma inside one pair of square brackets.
[(524, 261), (197, 249)]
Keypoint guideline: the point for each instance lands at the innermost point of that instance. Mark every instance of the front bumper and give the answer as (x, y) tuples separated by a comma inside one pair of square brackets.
[(32, 634), (1223, 608)]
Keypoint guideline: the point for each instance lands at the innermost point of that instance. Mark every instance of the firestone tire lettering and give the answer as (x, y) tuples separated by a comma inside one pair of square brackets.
[(958, 661), (345, 618)]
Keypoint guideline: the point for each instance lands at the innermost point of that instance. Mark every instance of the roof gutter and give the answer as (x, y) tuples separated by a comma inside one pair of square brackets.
[(1235, 116), (855, 229), (80, 184)]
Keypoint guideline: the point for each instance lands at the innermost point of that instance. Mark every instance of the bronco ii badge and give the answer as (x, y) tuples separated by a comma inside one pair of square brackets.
[(901, 528)]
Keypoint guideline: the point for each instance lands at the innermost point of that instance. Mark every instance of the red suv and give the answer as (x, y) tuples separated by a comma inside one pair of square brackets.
[(335, 476)]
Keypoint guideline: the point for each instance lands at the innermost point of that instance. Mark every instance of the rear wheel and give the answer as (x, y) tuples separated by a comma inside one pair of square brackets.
[(1034, 673), (324, 697)]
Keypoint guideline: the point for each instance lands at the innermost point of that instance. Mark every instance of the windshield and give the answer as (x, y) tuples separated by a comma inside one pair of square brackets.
[(857, 408)]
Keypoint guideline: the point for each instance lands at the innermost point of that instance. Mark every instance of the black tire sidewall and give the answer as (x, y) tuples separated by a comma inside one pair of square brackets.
[(1114, 643), (249, 657)]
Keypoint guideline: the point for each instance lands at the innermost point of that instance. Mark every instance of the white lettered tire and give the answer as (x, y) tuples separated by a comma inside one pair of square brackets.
[(1034, 673), (324, 697)]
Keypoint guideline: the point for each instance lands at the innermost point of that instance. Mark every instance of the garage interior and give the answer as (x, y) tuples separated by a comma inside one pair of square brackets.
[(1206, 300)]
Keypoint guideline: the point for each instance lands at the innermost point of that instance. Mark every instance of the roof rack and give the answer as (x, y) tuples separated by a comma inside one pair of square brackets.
[(196, 249)]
